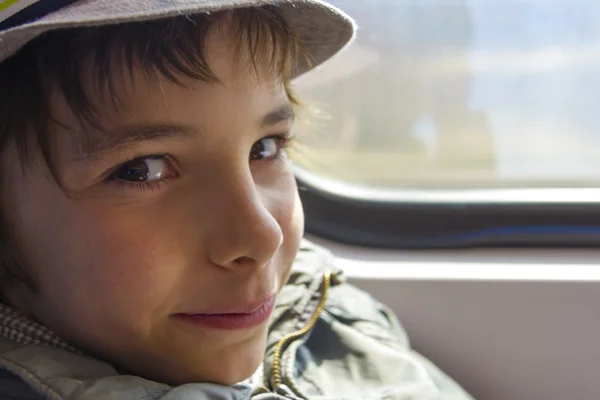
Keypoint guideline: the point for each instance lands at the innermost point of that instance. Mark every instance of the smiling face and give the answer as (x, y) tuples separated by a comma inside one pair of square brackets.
[(182, 206)]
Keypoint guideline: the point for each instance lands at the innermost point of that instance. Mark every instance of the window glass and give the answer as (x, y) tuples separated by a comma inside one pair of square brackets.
[(459, 93)]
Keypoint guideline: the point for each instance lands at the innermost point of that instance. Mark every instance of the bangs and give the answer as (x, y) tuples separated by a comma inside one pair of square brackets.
[(60, 62), (172, 48)]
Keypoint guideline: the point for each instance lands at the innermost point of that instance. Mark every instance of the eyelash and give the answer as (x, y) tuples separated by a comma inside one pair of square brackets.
[(140, 186), (285, 140)]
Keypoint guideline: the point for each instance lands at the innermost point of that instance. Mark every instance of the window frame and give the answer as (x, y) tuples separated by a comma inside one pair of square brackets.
[(441, 219)]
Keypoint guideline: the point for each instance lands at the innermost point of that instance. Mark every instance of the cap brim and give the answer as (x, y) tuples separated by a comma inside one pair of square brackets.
[(322, 29)]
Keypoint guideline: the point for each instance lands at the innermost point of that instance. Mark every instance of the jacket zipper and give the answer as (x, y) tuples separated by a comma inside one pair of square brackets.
[(290, 337)]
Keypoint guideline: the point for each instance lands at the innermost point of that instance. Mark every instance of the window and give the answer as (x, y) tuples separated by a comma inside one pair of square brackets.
[(459, 94), (456, 123)]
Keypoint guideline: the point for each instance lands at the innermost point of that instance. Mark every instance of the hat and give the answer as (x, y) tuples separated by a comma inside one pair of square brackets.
[(322, 29)]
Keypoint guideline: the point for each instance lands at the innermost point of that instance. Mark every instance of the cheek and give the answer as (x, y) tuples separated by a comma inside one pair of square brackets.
[(100, 269), (294, 223), (296, 232), (129, 256), (290, 216)]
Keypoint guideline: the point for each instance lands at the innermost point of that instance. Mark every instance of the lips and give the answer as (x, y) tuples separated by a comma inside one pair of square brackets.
[(234, 317)]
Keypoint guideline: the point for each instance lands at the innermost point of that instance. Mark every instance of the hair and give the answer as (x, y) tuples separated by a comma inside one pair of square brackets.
[(58, 62)]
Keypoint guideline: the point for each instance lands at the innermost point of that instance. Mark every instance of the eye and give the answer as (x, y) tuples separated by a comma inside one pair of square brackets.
[(143, 169), (268, 148)]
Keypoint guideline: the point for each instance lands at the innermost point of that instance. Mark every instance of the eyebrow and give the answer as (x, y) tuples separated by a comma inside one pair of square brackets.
[(282, 114), (94, 147)]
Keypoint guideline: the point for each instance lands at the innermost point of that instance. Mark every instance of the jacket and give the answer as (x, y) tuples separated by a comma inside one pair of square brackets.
[(327, 340)]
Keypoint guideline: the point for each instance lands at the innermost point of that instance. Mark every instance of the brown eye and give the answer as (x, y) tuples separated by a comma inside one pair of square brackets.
[(144, 169), (266, 148)]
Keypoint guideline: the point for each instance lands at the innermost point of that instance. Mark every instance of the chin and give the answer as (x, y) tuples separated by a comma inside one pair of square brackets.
[(238, 368), (223, 372), (233, 365)]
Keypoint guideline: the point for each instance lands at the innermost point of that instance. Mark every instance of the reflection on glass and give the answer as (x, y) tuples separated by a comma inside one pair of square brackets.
[(459, 93)]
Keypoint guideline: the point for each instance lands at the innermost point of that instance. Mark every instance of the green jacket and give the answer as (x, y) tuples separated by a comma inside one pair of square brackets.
[(327, 340)]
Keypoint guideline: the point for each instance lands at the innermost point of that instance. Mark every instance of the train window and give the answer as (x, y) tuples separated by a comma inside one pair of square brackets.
[(460, 94), (469, 118)]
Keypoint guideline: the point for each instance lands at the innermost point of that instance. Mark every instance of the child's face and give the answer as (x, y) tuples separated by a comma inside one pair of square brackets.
[(199, 228)]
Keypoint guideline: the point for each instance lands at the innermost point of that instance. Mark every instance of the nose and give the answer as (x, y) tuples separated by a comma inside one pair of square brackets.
[(243, 235)]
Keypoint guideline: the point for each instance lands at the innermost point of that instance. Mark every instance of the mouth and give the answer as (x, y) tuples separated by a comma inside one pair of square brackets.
[(233, 318)]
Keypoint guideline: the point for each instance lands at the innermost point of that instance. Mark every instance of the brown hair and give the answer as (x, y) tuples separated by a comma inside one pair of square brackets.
[(173, 47)]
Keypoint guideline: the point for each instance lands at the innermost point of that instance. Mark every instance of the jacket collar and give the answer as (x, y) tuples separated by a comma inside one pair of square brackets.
[(16, 327)]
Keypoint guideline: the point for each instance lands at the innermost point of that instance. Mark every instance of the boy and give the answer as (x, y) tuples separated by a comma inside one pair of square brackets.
[(150, 217)]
